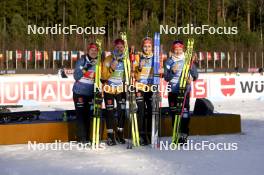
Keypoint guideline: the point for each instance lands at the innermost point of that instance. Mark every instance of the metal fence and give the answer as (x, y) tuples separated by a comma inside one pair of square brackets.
[(57, 59)]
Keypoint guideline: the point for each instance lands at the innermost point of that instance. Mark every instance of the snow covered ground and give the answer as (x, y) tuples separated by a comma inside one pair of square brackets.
[(248, 159)]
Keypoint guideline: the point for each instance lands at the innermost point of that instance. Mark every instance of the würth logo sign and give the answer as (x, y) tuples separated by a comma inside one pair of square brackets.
[(252, 86), (228, 86)]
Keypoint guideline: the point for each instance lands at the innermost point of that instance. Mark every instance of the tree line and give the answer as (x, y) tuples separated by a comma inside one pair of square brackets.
[(138, 18)]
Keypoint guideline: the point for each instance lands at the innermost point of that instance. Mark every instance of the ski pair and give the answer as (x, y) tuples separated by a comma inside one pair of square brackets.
[(155, 98), (182, 90), (133, 117), (97, 99), (157, 63), (131, 107)]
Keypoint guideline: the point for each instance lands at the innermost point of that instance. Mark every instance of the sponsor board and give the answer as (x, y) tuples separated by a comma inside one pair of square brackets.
[(51, 89)]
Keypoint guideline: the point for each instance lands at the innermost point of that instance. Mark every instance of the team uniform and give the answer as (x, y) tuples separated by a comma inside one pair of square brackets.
[(144, 76), (113, 83), (173, 79), (83, 94)]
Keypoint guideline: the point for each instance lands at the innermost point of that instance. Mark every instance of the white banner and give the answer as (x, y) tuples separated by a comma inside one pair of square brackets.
[(46, 89)]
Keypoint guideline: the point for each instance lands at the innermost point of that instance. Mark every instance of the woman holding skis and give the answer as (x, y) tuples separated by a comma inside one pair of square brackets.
[(83, 91), (143, 66), (172, 73), (113, 78)]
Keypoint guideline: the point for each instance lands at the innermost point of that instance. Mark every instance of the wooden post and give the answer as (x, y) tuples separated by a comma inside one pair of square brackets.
[(242, 59), (248, 59), (44, 63), (262, 59), (206, 60), (16, 58), (235, 59), (62, 56), (221, 61), (7, 57), (35, 60), (214, 58), (26, 58), (53, 59), (70, 58), (228, 58)]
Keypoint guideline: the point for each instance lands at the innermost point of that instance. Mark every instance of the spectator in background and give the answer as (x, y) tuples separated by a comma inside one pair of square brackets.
[(62, 73), (260, 71)]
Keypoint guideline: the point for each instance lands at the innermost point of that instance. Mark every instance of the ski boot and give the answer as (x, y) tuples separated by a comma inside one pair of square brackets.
[(143, 140), (110, 139), (120, 136), (183, 139)]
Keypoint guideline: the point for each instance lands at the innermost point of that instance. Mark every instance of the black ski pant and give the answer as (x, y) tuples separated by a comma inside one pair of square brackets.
[(144, 104), (84, 112), (185, 120), (120, 108)]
